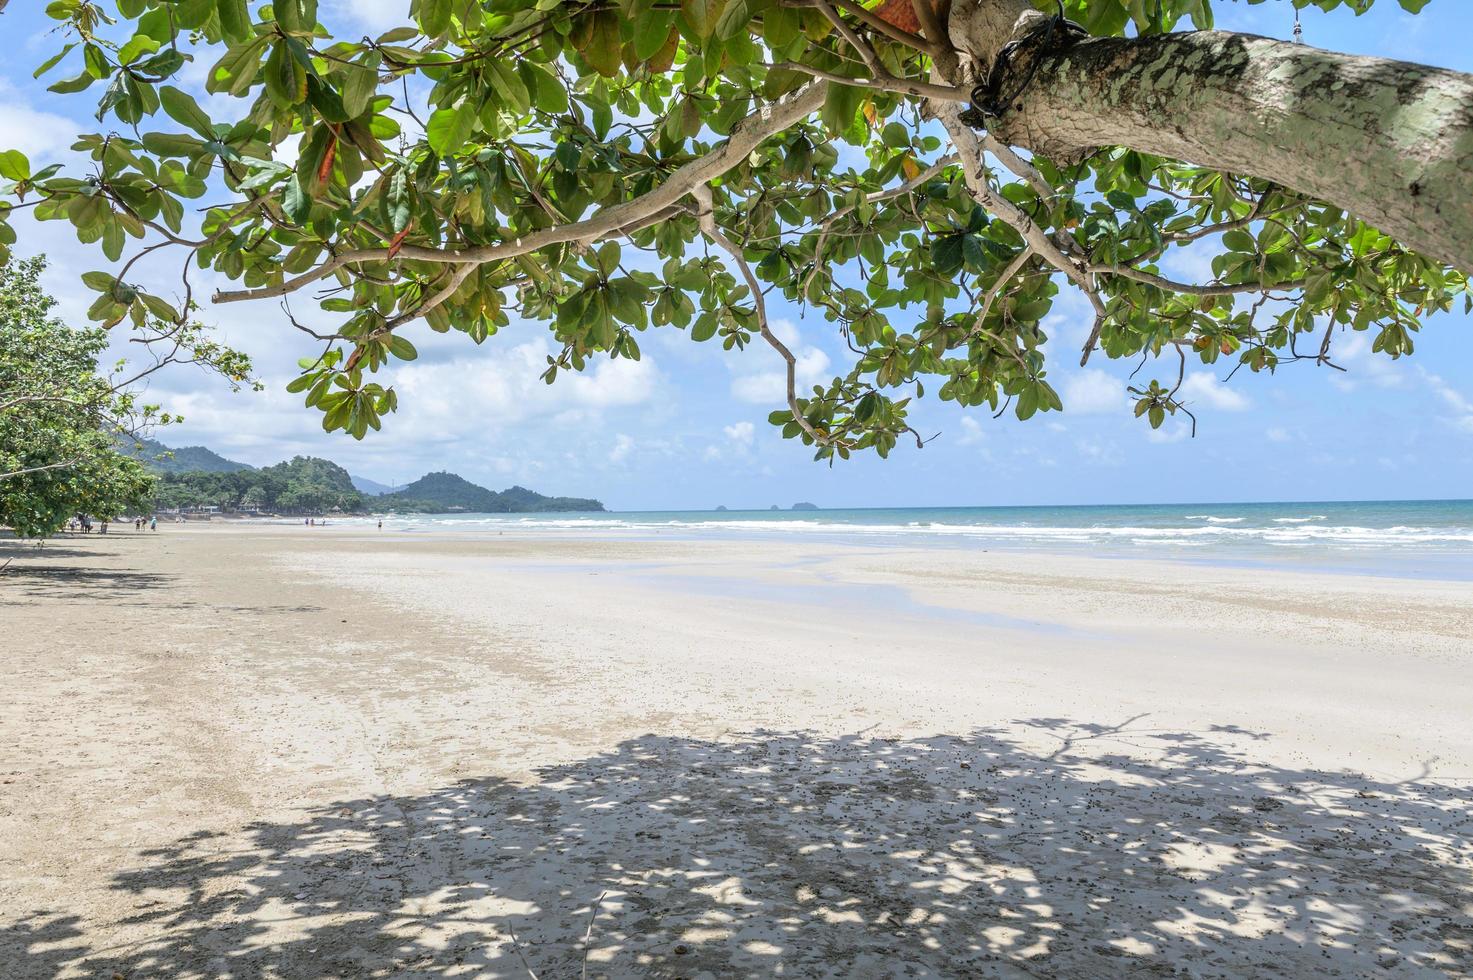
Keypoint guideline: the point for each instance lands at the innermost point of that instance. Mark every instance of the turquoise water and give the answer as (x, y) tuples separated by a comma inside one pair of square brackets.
[(1431, 538)]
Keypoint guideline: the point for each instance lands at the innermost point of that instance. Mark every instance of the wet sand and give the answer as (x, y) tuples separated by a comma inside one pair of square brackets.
[(288, 752)]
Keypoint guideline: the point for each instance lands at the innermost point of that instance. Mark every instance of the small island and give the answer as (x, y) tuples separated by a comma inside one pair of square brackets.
[(805, 505)]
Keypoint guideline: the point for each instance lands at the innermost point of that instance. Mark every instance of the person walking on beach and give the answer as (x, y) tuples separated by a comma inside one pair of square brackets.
[(153, 523)]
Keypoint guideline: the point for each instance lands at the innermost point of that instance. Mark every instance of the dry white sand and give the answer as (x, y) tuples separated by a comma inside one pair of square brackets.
[(254, 752)]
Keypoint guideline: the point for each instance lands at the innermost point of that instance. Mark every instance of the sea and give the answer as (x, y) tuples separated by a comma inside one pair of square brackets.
[(1401, 538)]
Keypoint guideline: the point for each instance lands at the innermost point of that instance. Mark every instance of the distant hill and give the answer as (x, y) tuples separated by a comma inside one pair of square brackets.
[(303, 485), (805, 505), (198, 477), (186, 459), (373, 488), (446, 492)]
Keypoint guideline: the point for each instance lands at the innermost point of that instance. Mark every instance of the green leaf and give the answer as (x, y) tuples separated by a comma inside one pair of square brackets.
[(235, 20), (1238, 240), (401, 348), (547, 92), (14, 165), (604, 51), (70, 85), (182, 108), (448, 129), (360, 83), (840, 107), (296, 203), (511, 87), (702, 15), (434, 16), (52, 61), (946, 255), (650, 31)]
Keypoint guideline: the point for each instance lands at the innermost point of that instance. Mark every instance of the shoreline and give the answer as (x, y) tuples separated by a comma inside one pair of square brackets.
[(282, 754)]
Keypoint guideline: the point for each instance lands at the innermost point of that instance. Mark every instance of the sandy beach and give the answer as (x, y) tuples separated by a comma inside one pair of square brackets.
[(254, 751)]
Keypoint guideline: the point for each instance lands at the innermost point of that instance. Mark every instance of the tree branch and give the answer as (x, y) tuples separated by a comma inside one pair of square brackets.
[(876, 197), (1189, 289), (707, 218), (884, 83), (745, 137)]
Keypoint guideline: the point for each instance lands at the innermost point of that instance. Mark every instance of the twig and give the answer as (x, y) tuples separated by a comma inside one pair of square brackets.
[(516, 944), (588, 934)]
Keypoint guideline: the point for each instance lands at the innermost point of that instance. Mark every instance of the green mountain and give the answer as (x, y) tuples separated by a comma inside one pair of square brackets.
[(186, 459), (445, 493), (195, 477), (303, 485)]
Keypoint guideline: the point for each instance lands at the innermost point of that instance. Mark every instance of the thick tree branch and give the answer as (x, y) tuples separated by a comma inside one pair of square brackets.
[(1387, 141)]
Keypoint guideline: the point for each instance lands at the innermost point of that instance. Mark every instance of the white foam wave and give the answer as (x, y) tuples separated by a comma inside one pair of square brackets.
[(1283, 531)]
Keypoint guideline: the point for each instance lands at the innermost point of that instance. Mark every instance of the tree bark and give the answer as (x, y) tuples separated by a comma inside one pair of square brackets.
[(1387, 141)]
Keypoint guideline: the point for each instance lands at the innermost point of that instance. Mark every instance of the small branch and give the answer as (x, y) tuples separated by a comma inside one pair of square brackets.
[(592, 916), (935, 33), (884, 83), (42, 469), (966, 141), (875, 22), (707, 218), (860, 46), (875, 198), (997, 287), (1189, 289), (440, 296)]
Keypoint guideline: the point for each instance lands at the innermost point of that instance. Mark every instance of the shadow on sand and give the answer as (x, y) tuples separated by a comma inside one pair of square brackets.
[(782, 854)]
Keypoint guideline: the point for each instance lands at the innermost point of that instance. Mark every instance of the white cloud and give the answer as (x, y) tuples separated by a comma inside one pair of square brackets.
[(452, 400), (371, 16), (1092, 392), (1205, 388), (1460, 408), (740, 433), (1354, 353), (1104, 453), (1169, 433), (1278, 434), (761, 377), (623, 446), (44, 137), (972, 431)]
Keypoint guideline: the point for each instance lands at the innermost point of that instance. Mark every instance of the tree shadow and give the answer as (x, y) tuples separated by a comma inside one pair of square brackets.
[(786, 854), (33, 580)]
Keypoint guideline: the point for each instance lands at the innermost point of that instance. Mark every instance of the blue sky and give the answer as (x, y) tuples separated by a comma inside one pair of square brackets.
[(686, 426)]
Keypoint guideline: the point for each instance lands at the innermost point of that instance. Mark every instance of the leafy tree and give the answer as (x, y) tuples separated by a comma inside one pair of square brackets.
[(302, 485), (63, 425), (57, 457), (926, 175)]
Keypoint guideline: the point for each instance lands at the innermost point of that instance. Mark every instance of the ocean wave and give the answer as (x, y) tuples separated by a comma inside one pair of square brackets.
[(1299, 520), (1283, 531), (1213, 519)]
